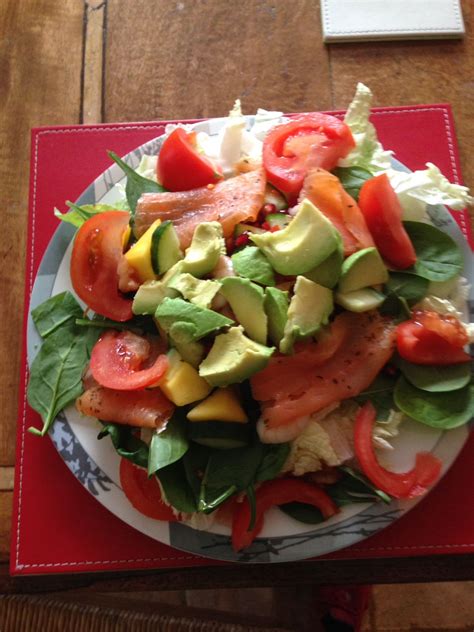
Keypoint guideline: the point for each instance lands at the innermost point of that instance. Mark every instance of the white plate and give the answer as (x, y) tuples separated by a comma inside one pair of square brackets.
[(96, 464)]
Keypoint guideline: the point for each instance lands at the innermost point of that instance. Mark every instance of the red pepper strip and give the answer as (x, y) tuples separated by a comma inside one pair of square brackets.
[(271, 493), (409, 484)]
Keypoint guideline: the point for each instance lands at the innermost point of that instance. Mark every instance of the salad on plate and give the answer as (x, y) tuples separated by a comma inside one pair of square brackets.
[(256, 319)]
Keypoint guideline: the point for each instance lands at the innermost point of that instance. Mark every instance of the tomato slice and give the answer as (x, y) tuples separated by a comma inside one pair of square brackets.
[(271, 493), (307, 141), (383, 213), (431, 338), (118, 361), (144, 493), (181, 167), (409, 484), (96, 253)]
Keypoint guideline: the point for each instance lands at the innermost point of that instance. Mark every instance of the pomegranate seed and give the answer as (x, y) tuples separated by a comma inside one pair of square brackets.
[(268, 209), (274, 229), (242, 240), (266, 226), (229, 244)]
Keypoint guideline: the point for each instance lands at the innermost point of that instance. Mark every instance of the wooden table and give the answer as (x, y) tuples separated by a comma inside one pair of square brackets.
[(64, 62)]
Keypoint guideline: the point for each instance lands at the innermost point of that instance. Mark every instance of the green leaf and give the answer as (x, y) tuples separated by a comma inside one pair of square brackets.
[(251, 263), (407, 285), (253, 507), (436, 378), (126, 443), (274, 458), (356, 484), (56, 372), (176, 488), (55, 312), (352, 179), (308, 514), (380, 393), (137, 185), (439, 410), (396, 307), (80, 214), (168, 446), (438, 256), (186, 322)]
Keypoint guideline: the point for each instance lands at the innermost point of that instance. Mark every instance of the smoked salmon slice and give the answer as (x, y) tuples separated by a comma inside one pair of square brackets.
[(308, 387), (326, 192), (229, 202)]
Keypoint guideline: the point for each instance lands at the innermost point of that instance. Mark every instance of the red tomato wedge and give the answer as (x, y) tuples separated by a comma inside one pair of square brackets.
[(96, 254), (144, 493), (181, 167), (118, 361), (307, 141), (143, 409), (367, 346), (399, 485), (326, 192), (383, 213), (230, 202), (274, 493), (431, 338)]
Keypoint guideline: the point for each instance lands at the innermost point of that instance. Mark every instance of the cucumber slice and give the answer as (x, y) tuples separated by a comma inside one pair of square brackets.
[(273, 196), (222, 435), (278, 219), (165, 250), (247, 228)]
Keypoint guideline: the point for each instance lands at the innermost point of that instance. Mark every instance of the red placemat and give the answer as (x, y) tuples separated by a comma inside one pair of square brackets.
[(57, 525)]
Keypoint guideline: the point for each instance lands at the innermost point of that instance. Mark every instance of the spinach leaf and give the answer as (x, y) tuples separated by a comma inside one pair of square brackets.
[(438, 256), (126, 443), (56, 372), (253, 507), (176, 488), (136, 184), (352, 179), (195, 463), (407, 285), (55, 312), (439, 410), (80, 214), (274, 457), (396, 307), (380, 393), (302, 512), (436, 378), (168, 446)]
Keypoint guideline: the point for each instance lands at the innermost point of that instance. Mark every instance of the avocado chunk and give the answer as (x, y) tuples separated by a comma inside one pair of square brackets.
[(310, 308), (191, 352), (362, 269), (197, 291), (308, 240), (276, 307), (233, 358), (251, 263), (149, 295), (246, 301), (328, 272), (206, 247), (186, 322), (362, 300)]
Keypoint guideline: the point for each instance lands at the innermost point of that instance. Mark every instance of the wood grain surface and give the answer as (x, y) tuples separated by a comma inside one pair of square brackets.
[(64, 62)]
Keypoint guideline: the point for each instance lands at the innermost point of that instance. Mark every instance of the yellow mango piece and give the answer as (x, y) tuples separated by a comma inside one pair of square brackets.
[(183, 385), (222, 405), (139, 255)]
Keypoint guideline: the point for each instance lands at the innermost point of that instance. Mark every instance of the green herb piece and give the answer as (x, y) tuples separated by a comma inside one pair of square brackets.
[(352, 179), (126, 443), (176, 488), (251, 263), (80, 214), (55, 312), (136, 185), (253, 507), (408, 286), (439, 410), (56, 372), (438, 256), (168, 446), (274, 458), (436, 378)]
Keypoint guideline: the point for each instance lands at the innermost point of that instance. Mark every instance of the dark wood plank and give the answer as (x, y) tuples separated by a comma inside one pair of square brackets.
[(185, 59), (40, 61), (401, 73)]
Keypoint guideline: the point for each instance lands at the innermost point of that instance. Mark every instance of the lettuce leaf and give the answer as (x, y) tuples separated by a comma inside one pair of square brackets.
[(368, 152), (80, 214)]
